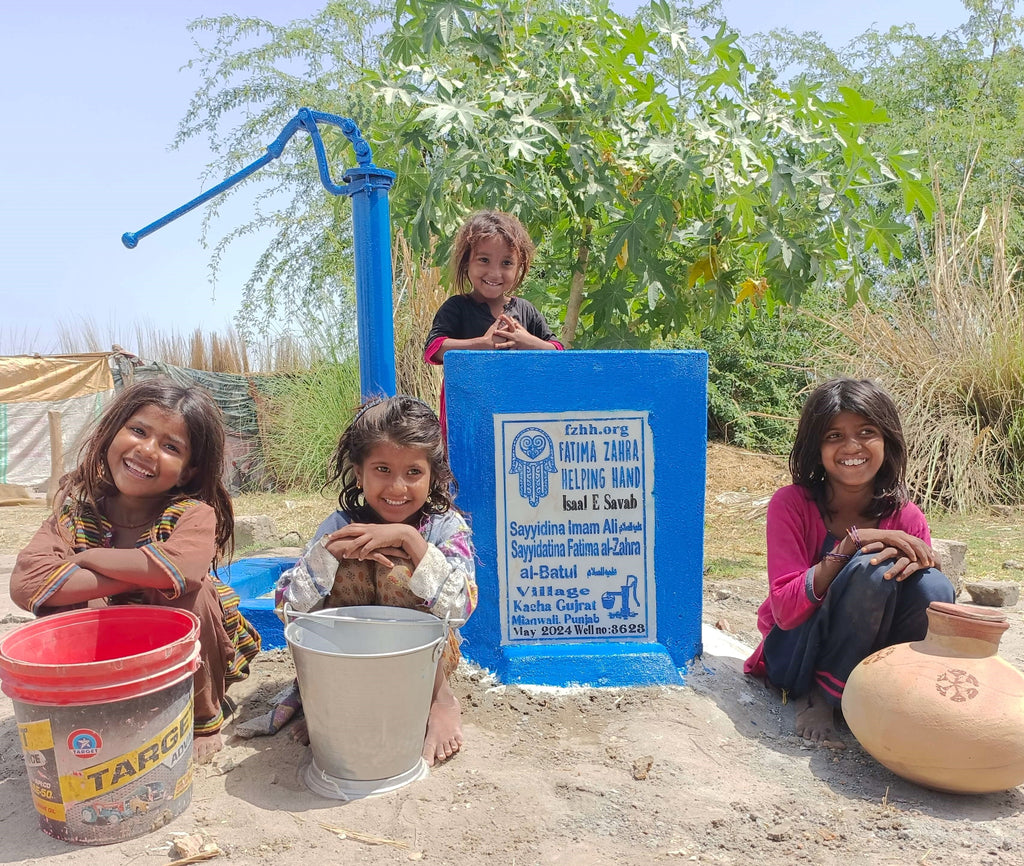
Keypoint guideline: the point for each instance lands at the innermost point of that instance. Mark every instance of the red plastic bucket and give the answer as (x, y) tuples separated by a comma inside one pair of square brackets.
[(103, 701)]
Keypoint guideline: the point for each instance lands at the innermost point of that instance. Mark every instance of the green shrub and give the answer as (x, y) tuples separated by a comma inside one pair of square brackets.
[(302, 416), (757, 371)]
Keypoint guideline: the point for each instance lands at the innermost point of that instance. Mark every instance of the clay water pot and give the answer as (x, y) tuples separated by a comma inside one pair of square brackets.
[(945, 712)]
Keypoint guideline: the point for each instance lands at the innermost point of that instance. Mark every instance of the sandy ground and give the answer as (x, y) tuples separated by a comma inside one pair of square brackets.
[(707, 772)]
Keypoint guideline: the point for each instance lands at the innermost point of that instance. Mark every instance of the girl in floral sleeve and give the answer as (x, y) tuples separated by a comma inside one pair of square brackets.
[(397, 539)]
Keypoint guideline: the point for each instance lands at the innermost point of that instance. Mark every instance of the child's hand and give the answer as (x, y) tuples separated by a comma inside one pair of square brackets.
[(376, 541), (910, 553), (502, 332), (514, 336)]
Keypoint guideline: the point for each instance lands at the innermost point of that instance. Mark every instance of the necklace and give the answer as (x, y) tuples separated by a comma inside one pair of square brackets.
[(131, 525)]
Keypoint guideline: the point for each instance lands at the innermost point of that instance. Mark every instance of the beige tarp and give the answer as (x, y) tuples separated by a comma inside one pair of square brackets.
[(25, 379), (76, 387)]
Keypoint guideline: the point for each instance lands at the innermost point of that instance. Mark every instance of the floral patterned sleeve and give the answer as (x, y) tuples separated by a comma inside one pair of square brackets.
[(446, 576)]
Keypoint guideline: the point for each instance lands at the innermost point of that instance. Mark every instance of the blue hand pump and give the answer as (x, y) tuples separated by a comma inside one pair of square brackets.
[(367, 186)]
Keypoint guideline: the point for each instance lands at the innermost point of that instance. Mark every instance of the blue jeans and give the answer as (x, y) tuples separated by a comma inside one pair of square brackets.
[(862, 613)]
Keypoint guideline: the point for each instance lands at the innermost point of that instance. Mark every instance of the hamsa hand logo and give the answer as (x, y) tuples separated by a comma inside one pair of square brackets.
[(533, 459)]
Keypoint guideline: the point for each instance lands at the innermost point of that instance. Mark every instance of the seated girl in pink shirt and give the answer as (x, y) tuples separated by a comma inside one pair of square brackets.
[(850, 564)]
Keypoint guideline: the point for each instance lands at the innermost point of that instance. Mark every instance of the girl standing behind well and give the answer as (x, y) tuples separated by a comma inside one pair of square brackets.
[(141, 520), (491, 257), (850, 564)]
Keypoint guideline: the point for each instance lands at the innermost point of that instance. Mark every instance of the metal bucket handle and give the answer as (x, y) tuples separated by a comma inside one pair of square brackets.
[(289, 611), (291, 614)]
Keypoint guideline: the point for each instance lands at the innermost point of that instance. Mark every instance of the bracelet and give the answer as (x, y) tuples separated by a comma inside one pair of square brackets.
[(855, 537), (838, 557)]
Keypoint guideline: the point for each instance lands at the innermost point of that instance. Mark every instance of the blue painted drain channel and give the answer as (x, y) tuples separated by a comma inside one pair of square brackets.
[(254, 580)]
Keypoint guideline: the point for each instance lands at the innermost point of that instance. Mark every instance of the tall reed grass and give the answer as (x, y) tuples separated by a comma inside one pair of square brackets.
[(302, 417), (227, 351), (418, 295), (952, 355)]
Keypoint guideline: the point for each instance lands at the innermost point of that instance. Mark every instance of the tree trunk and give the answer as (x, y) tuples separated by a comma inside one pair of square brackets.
[(579, 273)]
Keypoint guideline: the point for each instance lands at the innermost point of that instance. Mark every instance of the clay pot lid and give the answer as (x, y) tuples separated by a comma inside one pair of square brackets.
[(968, 611)]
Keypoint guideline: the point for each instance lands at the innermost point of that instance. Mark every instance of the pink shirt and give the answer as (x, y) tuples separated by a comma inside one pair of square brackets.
[(796, 534)]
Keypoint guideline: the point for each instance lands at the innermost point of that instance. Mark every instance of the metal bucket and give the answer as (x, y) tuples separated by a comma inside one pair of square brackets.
[(366, 675)]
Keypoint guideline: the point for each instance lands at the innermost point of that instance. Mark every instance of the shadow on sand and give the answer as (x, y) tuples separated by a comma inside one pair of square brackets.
[(757, 712)]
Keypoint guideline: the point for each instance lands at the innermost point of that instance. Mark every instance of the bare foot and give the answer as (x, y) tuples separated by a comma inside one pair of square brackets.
[(815, 721), (444, 724), (299, 731), (205, 747)]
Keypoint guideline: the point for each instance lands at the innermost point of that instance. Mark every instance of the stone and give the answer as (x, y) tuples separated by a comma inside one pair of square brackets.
[(994, 593), (1013, 564), (953, 556), (642, 766), (255, 532)]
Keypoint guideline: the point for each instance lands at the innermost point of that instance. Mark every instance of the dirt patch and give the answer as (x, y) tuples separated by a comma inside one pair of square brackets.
[(733, 470), (18, 523), (708, 772)]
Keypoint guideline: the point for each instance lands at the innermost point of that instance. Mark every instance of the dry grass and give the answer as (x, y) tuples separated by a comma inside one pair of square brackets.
[(418, 295), (224, 352), (295, 511), (18, 524), (952, 355)]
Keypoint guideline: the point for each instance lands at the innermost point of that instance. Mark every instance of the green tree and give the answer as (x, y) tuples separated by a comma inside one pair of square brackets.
[(957, 98), (254, 78), (667, 177)]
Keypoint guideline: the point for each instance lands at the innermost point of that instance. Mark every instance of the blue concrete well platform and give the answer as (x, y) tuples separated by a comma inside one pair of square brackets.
[(254, 580)]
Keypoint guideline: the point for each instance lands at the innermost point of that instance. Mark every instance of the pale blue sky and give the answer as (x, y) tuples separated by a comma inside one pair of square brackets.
[(93, 93)]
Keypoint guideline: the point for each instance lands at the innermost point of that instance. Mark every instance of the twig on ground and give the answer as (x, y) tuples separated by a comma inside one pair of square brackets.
[(356, 836), (197, 858)]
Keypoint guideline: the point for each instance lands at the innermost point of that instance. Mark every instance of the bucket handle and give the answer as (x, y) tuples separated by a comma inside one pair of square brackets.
[(443, 642), (290, 612)]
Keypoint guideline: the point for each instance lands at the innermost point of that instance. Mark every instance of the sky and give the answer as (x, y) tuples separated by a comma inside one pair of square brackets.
[(93, 93)]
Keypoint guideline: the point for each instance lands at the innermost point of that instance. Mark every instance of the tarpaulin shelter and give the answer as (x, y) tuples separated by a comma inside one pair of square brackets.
[(77, 387), (39, 391)]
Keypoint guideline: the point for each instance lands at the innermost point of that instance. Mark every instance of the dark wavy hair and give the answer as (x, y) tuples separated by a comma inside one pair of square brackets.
[(861, 397), (485, 225), (88, 483), (405, 422)]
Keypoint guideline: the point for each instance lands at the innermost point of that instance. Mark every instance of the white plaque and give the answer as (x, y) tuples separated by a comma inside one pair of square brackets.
[(575, 527)]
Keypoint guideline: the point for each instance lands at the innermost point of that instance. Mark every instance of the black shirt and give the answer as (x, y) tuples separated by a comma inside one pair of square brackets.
[(462, 318)]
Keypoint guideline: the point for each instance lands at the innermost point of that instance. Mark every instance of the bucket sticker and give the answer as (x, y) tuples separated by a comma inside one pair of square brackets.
[(84, 743), (183, 783), (167, 747), (40, 761), (113, 811)]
